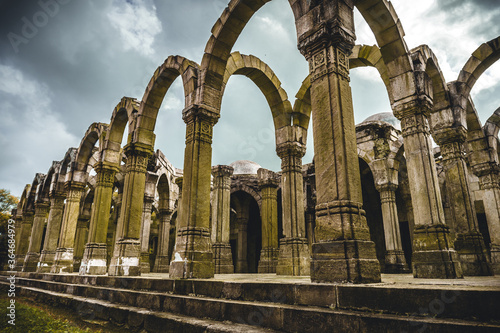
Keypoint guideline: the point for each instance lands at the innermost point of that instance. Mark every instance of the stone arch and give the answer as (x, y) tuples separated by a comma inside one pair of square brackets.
[(426, 61), (123, 114), (66, 163), (472, 119), (265, 79), (163, 188), (481, 59), (158, 86), (380, 16), (366, 55), (50, 180), (95, 132), (247, 189), (492, 125), (35, 190), (23, 199)]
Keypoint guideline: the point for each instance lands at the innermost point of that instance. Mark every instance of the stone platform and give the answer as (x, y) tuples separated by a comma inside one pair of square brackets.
[(266, 302)]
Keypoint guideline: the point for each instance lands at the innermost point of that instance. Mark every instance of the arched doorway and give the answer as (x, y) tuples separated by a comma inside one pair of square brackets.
[(245, 232), (373, 208)]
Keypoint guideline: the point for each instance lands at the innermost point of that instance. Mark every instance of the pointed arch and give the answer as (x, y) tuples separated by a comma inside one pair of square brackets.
[(480, 60), (162, 79), (379, 14), (124, 113), (266, 80), (95, 132)]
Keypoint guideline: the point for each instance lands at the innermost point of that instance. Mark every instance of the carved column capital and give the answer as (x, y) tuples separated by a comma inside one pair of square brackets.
[(105, 174), (291, 154), (330, 32), (137, 157), (199, 123), (222, 171), (41, 209), (413, 124)]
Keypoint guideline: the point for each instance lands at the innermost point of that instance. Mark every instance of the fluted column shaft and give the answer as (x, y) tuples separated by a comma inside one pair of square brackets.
[(434, 256), (268, 184), (193, 257), (94, 256), (294, 248), (52, 234), (395, 261), (221, 209), (469, 242), (125, 260), (33, 255), (64, 254)]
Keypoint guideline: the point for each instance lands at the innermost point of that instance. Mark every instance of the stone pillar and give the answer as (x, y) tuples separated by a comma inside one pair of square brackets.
[(54, 221), (179, 181), (241, 243), (162, 262), (221, 209), (81, 237), (149, 194), (469, 242), (94, 256), (33, 255), (193, 256), (125, 261), (343, 251), (24, 239), (395, 261), (294, 252), (433, 253), (63, 262), (268, 183), (490, 190)]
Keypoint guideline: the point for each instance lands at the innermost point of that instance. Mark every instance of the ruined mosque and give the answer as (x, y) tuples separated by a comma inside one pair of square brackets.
[(382, 232)]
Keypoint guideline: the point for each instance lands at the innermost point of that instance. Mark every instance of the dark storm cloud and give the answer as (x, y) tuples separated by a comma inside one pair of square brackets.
[(89, 54)]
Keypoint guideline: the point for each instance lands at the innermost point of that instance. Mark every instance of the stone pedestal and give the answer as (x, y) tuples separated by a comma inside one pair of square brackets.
[(54, 221), (33, 254), (94, 260), (193, 256), (126, 254), (221, 205), (343, 251), (395, 261), (63, 262), (268, 183)]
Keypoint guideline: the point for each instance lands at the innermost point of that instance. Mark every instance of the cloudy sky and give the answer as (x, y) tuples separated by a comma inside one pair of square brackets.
[(65, 66)]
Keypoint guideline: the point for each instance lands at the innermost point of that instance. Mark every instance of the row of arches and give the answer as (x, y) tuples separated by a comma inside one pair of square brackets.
[(418, 94)]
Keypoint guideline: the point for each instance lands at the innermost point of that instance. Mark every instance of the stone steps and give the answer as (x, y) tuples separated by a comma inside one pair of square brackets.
[(134, 317), (285, 306)]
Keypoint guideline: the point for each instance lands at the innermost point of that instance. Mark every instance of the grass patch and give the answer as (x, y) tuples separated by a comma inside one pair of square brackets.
[(32, 318)]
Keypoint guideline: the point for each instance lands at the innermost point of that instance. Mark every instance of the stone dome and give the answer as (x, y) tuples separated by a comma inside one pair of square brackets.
[(245, 167), (386, 117)]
